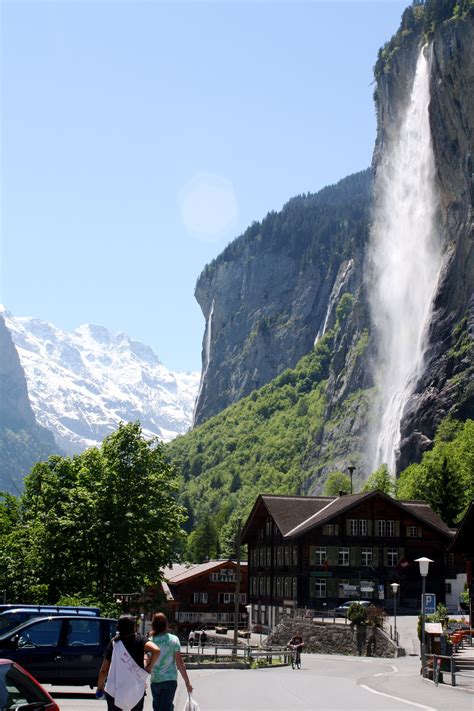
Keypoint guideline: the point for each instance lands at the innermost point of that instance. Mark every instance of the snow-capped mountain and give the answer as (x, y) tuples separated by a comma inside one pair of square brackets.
[(82, 384)]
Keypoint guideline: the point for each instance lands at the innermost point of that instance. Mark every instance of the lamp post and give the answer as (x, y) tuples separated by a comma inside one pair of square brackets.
[(351, 470), (424, 564), (395, 587)]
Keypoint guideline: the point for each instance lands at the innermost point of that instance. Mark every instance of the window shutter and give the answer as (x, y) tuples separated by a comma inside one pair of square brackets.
[(332, 589), (312, 555), (354, 556), (401, 554), (397, 528), (332, 555), (369, 527), (376, 532), (348, 526), (385, 557), (375, 556), (419, 532), (336, 529)]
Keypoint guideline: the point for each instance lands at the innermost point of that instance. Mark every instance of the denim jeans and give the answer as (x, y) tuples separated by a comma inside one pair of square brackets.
[(163, 694), (112, 707)]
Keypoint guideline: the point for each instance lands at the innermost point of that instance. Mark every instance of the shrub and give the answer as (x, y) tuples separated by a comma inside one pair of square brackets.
[(357, 614)]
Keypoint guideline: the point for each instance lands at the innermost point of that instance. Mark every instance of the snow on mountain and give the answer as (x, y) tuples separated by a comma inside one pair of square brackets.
[(82, 384)]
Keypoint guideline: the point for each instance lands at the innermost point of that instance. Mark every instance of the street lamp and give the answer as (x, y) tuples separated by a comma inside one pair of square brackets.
[(351, 470), (395, 587), (424, 564)]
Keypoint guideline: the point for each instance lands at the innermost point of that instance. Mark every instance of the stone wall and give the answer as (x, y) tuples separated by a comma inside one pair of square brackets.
[(323, 638)]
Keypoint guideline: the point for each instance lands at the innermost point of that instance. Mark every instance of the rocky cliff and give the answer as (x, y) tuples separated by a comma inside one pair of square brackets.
[(269, 295), (273, 290), (22, 441)]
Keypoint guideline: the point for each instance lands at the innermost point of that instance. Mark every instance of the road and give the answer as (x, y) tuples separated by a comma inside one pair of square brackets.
[(324, 683)]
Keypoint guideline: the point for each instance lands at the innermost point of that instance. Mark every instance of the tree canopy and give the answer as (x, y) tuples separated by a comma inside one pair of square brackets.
[(100, 523)]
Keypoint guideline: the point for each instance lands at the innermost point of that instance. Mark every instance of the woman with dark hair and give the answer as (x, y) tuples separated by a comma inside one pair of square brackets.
[(164, 675), (123, 667)]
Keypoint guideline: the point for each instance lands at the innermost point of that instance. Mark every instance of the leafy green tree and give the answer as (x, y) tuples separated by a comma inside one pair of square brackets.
[(380, 480), (102, 522), (336, 482), (203, 542)]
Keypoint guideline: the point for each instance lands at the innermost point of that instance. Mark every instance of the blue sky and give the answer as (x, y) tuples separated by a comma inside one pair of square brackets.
[(139, 138)]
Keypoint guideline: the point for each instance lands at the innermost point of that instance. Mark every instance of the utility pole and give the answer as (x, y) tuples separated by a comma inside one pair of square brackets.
[(237, 584)]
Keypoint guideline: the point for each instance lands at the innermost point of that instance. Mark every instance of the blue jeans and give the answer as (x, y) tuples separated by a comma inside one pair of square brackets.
[(163, 694)]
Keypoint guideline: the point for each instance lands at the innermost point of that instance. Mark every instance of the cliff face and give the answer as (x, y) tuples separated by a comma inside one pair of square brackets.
[(270, 293), (446, 386), (22, 441)]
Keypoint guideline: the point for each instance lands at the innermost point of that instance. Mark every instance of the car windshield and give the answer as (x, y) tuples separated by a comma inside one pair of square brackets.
[(16, 688)]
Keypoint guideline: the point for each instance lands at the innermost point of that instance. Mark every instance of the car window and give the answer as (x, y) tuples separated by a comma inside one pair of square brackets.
[(17, 689), (41, 634), (110, 629), (83, 631)]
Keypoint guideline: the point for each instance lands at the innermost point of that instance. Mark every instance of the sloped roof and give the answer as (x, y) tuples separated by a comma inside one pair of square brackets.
[(294, 515), (181, 572), (462, 541)]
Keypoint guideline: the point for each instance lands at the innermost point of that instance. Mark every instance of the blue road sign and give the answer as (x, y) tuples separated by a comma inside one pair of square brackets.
[(430, 603)]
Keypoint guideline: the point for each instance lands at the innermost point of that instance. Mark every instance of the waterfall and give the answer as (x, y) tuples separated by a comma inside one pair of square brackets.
[(405, 258), (206, 354), (334, 297)]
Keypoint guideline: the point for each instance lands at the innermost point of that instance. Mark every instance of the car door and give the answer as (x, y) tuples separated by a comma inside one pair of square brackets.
[(83, 649), (37, 649)]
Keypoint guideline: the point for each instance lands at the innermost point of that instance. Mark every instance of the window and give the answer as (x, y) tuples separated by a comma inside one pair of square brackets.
[(412, 531), (343, 556), (392, 557), (320, 588), (279, 586), (295, 555), (268, 527), (448, 588), (269, 586), (366, 557), (18, 689), (261, 586), (320, 555), (295, 587), (353, 526), (342, 584), (280, 555), (199, 597), (381, 528), (287, 555), (42, 634), (269, 556), (83, 632), (390, 528), (330, 529), (362, 527), (288, 587), (262, 556)]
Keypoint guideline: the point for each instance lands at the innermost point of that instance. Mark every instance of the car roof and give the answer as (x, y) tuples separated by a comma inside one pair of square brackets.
[(32, 620)]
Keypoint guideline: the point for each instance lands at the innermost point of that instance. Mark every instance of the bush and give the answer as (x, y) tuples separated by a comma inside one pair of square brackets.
[(357, 614), (375, 616)]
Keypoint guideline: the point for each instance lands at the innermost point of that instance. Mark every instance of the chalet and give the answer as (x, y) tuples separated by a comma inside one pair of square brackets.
[(318, 551), (463, 543), (204, 593)]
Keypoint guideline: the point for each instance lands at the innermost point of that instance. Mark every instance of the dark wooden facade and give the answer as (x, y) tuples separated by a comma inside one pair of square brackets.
[(204, 594), (463, 544), (350, 547)]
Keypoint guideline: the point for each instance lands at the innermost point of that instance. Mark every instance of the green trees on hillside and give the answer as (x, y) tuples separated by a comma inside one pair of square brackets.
[(99, 523), (445, 476), (336, 483)]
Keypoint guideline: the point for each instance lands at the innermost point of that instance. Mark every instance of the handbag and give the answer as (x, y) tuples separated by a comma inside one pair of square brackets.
[(191, 704)]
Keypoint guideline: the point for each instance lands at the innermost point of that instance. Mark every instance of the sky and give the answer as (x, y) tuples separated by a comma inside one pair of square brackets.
[(139, 138)]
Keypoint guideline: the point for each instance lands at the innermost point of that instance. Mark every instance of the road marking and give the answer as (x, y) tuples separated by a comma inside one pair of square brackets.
[(397, 698), (395, 671)]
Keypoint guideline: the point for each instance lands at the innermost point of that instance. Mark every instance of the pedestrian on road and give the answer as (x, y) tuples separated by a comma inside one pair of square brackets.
[(123, 667), (203, 638), (164, 675)]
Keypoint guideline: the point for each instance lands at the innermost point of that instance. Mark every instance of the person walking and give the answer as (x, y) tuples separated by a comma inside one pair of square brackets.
[(123, 675), (164, 675)]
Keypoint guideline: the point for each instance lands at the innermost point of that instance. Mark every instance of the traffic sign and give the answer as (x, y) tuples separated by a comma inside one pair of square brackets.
[(430, 603)]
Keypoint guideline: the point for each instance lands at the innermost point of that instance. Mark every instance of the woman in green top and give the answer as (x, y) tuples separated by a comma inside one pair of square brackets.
[(164, 675)]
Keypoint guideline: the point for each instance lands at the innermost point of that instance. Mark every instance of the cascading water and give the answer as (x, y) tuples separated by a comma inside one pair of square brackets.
[(207, 354), (405, 260)]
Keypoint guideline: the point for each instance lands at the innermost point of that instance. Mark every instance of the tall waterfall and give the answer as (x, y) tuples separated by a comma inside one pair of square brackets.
[(206, 354), (405, 259)]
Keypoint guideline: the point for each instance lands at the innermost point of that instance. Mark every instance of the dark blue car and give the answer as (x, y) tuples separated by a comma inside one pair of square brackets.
[(64, 649)]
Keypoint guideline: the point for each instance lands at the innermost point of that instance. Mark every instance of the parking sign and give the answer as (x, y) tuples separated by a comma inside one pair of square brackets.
[(430, 603)]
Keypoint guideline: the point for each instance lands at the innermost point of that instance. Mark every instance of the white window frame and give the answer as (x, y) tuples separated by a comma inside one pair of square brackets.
[(320, 588), (366, 557), (353, 526), (343, 557), (392, 557), (390, 529), (412, 531), (362, 527), (320, 556), (381, 528)]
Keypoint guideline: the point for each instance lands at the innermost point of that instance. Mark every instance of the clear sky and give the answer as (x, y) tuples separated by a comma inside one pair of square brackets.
[(139, 138)]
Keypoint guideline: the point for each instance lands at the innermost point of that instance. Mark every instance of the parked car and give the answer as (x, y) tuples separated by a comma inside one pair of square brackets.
[(20, 690), (61, 649), (13, 615), (343, 609)]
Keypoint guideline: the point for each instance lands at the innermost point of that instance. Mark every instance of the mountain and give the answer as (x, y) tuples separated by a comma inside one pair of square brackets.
[(274, 289), (381, 279), (82, 384), (22, 441)]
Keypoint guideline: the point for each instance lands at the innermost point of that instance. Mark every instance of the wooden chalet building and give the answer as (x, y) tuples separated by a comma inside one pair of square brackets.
[(463, 543), (317, 551), (204, 593)]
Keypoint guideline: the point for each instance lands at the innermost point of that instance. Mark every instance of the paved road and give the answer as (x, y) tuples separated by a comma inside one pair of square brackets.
[(325, 683)]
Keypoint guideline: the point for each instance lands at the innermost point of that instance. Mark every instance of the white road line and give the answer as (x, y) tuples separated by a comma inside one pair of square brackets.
[(397, 698), (395, 671)]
